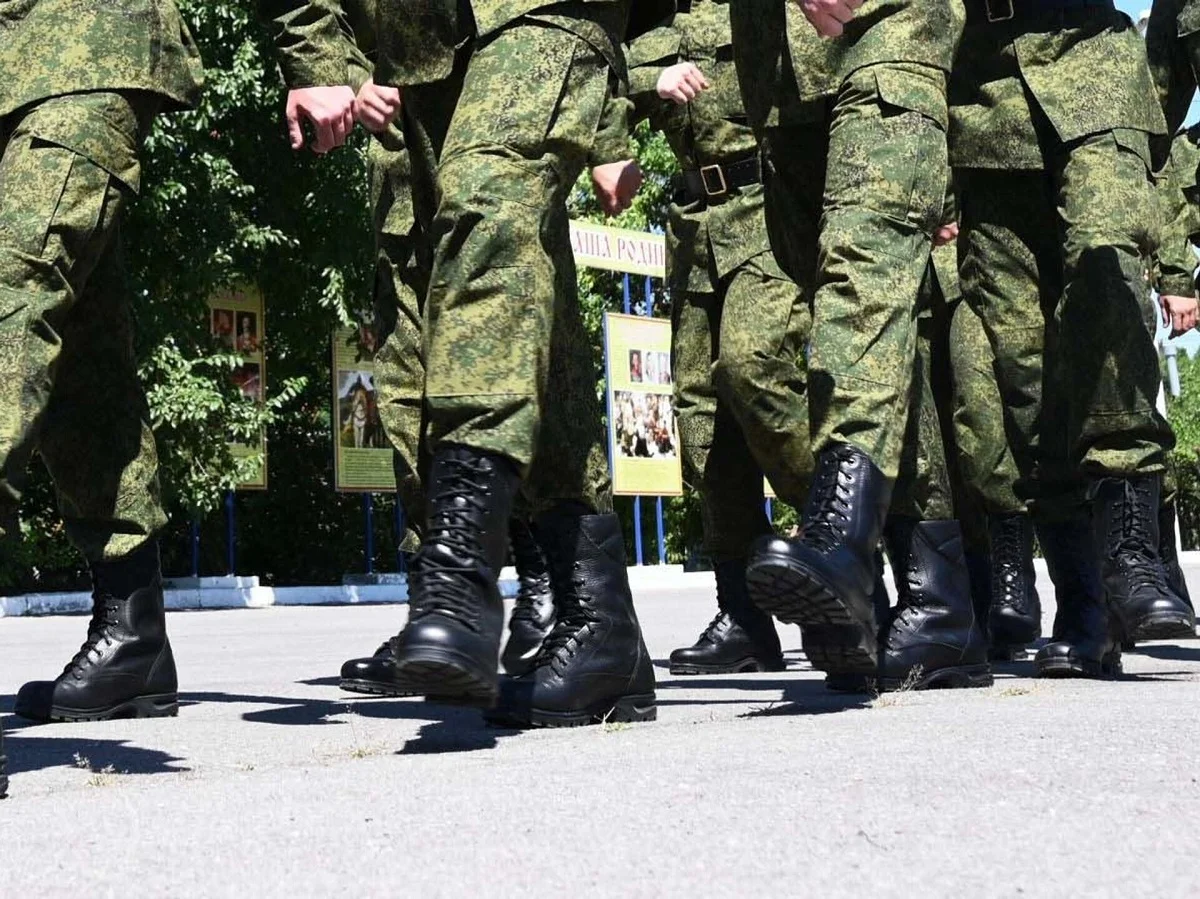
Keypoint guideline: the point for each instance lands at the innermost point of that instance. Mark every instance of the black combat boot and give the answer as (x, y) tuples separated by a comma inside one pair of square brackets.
[(932, 638), (450, 648), (594, 666), (125, 668), (1169, 553), (533, 614), (1015, 616), (1083, 643), (373, 675), (1125, 517), (824, 580), (741, 638)]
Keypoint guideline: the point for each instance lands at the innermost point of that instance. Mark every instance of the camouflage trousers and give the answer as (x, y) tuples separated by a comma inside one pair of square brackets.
[(729, 345), (69, 388), (505, 359), (1054, 264), (885, 185)]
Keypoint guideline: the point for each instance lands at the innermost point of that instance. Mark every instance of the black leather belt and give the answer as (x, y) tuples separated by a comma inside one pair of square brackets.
[(714, 182), (1008, 10)]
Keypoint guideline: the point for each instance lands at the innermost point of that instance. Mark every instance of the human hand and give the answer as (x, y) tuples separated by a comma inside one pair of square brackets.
[(945, 234), (330, 109), (616, 184), (1179, 313), (829, 17), (376, 106), (681, 83)]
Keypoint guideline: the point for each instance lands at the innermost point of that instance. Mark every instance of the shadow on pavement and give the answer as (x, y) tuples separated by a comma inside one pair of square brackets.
[(799, 696), (1189, 653), (36, 753)]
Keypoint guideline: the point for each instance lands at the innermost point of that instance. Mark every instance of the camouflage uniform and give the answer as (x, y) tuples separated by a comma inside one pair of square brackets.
[(885, 182), (71, 131), (727, 291), (1058, 221), (1173, 46)]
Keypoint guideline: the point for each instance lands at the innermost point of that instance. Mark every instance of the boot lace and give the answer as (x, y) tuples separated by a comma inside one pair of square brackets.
[(1130, 542), (106, 611), (575, 622), (438, 586), (1008, 559), (828, 515), (716, 628)]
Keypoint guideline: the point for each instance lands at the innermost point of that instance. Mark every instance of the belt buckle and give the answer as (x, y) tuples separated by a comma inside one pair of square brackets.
[(721, 191), (1003, 12)]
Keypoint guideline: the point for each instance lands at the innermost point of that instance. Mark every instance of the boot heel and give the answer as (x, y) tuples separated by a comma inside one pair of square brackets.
[(165, 705), (634, 709)]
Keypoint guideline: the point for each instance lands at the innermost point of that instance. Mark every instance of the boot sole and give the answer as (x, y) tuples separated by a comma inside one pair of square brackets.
[(162, 705), (626, 710), (446, 678), (740, 667), (1107, 668), (830, 636), (962, 677), (1163, 627), (372, 688)]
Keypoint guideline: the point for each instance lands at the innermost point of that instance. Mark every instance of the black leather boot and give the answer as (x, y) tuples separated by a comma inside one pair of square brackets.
[(373, 675), (933, 638), (125, 668), (533, 614), (1169, 553), (1015, 615), (450, 648), (1083, 642), (741, 638), (1125, 517), (824, 579), (594, 666)]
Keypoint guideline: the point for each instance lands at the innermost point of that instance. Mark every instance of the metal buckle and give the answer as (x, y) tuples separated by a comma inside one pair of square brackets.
[(704, 173), (1002, 16)]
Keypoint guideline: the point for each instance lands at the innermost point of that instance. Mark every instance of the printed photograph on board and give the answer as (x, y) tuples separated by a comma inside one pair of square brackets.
[(358, 411)]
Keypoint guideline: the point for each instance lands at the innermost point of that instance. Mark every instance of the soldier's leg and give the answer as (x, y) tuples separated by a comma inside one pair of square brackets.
[(69, 168), (884, 192), (401, 283), (718, 462), (933, 637), (1109, 372), (512, 152)]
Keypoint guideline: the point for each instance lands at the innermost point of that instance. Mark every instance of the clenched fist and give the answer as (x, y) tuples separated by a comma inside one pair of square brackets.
[(681, 83), (616, 184), (376, 107), (331, 111)]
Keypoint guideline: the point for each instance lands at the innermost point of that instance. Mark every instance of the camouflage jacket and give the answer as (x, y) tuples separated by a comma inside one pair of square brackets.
[(1173, 48), (1085, 79), (1179, 201), (56, 47), (784, 65), (418, 41), (712, 129)]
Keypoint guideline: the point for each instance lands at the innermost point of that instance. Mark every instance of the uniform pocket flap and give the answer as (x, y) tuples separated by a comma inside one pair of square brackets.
[(659, 45), (109, 148), (1135, 142), (918, 93)]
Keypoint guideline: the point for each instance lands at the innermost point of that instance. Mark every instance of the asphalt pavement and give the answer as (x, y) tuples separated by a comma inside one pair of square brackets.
[(274, 783)]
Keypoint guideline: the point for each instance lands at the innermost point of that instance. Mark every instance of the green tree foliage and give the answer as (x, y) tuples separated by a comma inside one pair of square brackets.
[(1184, 412)]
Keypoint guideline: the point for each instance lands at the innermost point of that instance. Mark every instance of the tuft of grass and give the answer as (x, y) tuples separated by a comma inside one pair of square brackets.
[(893, 698)]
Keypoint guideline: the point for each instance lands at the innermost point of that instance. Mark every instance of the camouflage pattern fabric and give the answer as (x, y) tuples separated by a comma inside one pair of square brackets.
[(1173, 48), (1179, 202), (68, 169), (58, 47), (1010, 75)]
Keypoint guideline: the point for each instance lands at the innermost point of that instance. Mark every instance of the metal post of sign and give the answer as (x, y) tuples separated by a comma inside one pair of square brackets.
[(658, 503), (369, 524), (770, 511), (401, 525), (230, 530), (195, 541), (637, 500)]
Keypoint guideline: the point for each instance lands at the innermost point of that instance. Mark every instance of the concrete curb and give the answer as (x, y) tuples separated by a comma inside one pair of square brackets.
[(191, 594)]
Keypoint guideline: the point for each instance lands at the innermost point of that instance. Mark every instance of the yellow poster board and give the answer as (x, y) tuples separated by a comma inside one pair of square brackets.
[(643, 439), (362, 454), (237, 321), (619, 249)]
